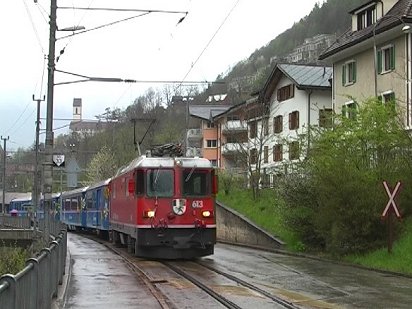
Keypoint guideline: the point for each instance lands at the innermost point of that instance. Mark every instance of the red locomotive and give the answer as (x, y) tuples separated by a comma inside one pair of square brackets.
[(164, 207)]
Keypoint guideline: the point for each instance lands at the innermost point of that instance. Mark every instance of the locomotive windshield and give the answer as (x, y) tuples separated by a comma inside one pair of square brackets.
[(160, 183), (196, 182)]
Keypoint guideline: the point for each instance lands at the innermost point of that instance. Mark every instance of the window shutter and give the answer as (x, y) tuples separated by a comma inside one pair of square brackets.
[(354, 72), (392, 53), (343, 75), (297, 120), (292, 90), (290, 121), (278, 95), (379, 61)]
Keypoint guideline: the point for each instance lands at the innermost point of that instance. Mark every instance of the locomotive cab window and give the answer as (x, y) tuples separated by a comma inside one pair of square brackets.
[(160, 183), (196, 182)]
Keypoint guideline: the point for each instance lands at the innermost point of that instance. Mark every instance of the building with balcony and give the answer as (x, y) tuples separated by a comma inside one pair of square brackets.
[(204, 136), (373, 58)]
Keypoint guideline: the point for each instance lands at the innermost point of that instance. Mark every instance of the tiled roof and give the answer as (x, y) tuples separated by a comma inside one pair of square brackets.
[(307, 76), (207, 112), (77, 102), (400, 13), (87, 125), (303, 76)]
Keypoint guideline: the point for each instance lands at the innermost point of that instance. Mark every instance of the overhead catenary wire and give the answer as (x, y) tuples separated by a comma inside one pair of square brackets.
[(208, 43), (33, 26), (76, 26)]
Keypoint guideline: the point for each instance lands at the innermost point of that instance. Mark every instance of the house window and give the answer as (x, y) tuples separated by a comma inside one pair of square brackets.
[(253, 156), (278, 124), (294, 150), (366, 17), (286, 92), (294, 120), (349, 73), (210, 125), (386, 59), (278, 152), (349, 110), (388, 98), (232, 118), (266, 154), (253, 129), (211, 143), (325, 118)]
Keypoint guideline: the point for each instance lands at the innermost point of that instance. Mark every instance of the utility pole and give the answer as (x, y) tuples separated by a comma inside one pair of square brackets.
[(48, 162), (35, 199), (5, 139)]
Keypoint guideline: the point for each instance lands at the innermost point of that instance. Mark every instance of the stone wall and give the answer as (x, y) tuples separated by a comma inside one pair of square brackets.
[(233, 227)]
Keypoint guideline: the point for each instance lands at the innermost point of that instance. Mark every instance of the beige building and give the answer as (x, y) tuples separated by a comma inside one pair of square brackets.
[(359, 72)]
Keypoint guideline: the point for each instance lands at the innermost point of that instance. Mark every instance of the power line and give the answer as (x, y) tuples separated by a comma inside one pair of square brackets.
[(124, 10), (102, 26), (33, 26), (210, 41)]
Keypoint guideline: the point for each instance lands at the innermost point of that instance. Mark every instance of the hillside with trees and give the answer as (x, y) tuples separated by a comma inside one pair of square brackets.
[(170, 117)]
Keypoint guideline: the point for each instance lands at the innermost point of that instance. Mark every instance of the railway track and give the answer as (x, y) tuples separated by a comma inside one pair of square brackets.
[(183, 270), (224, 301), (189, 271)]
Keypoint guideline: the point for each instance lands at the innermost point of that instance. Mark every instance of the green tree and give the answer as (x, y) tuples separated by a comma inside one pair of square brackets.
[(337, 199), (101, 166)]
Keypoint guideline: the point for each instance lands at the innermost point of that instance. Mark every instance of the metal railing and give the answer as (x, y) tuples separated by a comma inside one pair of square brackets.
[(35, 286)]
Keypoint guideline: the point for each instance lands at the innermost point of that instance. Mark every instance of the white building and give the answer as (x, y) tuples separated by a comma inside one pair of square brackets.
[(297, 96)]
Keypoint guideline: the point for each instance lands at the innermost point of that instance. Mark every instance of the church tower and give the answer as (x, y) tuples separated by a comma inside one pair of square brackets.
[(77, 109)]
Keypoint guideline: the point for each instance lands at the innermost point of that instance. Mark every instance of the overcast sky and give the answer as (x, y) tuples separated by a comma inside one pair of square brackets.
[(214, 36)]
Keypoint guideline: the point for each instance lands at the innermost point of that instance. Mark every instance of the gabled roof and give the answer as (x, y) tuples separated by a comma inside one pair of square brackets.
[(303, 76), (207, 112), (399, 14)]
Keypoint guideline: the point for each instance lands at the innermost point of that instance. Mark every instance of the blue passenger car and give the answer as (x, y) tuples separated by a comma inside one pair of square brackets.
[(21, 207), (54, 207), (97, 206), (73, 208)]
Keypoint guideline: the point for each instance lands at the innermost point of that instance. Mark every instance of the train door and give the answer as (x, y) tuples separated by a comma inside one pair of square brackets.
[(83, 210), (98, 207), (105, 207)]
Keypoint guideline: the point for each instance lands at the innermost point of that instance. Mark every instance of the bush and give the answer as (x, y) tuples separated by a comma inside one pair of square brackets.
[(337, 200), (12, 259), (229, 181)]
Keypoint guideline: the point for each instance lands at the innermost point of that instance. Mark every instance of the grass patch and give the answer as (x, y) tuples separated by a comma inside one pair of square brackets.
[(265, 212), (400, 260)]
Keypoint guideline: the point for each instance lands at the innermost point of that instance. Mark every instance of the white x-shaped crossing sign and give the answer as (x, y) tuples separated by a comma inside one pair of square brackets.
[(391, 201)]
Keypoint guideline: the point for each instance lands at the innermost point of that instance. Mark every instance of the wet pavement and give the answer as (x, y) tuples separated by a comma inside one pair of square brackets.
[(313, 283), (100, 279)]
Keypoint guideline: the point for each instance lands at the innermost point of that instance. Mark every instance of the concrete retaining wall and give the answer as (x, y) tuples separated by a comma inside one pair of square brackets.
[(233, 227)]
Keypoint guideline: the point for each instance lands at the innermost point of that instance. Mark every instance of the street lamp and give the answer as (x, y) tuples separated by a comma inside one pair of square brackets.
[(405, 29)]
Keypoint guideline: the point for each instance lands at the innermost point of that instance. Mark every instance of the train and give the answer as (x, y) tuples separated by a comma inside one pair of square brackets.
[(159, 207)]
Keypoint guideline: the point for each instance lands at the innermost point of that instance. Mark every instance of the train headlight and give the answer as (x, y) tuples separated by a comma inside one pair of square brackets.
[(149, 213), (207, 214)]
